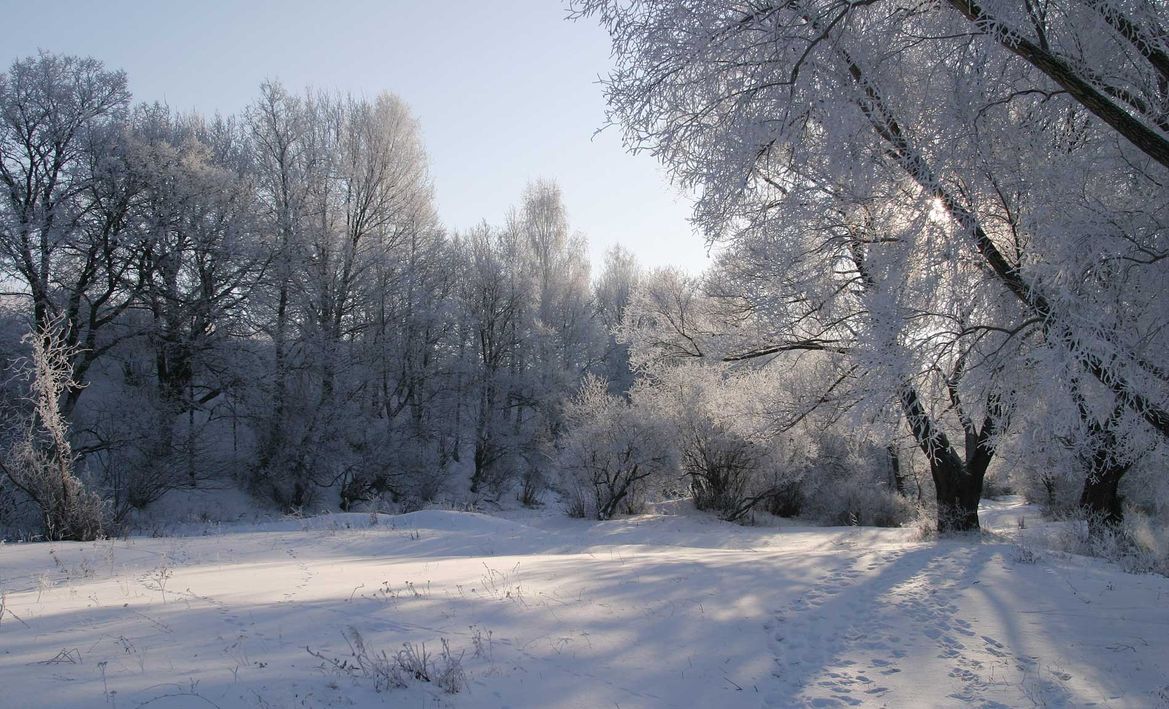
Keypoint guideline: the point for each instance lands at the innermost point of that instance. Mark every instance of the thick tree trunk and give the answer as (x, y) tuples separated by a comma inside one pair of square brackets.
[(958, 493), (957, 482), (1101, 499), (1106, 465)]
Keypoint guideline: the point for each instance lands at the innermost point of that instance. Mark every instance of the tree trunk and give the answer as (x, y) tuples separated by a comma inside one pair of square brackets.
[(1106, 465), (957, 482), (958, 492), (1100, 499), (895, 465)]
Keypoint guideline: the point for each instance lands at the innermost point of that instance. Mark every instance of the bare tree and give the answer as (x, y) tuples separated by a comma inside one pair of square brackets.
[(67, 195)]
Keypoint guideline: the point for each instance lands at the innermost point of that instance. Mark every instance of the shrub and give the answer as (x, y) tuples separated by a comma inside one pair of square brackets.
[(787, 498), (610, 455), (532, 486), (411, 663), (848, 485), (723, 469), (1137, 545), (39, 461), (726, 446)]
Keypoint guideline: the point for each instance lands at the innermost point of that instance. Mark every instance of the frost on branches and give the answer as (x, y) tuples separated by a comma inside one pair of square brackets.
[(968, 200)]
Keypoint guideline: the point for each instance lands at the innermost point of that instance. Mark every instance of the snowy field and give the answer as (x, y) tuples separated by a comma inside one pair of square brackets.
[(542, 611)]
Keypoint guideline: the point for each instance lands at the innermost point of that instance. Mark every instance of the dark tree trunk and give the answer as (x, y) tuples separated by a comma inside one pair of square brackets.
[(1100, 499), (1106, 465), (957, 482), (487, 455), (895, 465), (958, 491), (480, 472)]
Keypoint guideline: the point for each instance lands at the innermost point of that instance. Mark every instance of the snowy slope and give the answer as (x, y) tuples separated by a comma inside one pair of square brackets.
[(655, 611)]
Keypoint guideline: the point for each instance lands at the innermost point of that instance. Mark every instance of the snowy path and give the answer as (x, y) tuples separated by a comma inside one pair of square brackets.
[(849, 642), (650, 612)]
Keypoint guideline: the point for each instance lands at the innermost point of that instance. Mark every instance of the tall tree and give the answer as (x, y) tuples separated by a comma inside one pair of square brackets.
[(782, 111), (66, 200)]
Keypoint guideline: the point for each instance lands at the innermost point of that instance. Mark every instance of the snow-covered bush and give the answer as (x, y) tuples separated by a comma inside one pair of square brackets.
[(728, 457), (533, 476), (611, 455), (721, 467), (1137, 545), (787, 498), (849, 483), (1053, 478), (39, 460), (392, 468)]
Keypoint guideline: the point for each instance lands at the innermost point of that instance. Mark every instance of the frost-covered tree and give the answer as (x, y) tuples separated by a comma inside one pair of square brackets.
[(614, 287), (532, 332), (283, 163), (64, 211), (492, 299), (272, 297), (801, 118), (612, 455), (348, 221), (200, 256), (759, 419), (198, 262), (561, 337)]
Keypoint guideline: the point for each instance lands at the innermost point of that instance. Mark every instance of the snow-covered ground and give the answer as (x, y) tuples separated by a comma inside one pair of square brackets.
[(542, 611)]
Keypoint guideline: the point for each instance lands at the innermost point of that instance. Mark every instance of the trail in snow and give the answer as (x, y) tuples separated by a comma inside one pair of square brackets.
[(846, 642)]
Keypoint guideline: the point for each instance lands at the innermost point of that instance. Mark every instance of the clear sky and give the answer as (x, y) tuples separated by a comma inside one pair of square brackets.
[(506, 91)]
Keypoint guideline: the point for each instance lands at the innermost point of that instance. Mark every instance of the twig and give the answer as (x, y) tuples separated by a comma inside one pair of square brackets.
[(73, 657), (5, 609)]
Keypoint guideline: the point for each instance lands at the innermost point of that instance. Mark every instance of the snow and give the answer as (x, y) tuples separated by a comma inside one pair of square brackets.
[(651, 611)]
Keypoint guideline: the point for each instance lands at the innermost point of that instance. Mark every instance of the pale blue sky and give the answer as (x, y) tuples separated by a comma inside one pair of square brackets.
[(505, 90)]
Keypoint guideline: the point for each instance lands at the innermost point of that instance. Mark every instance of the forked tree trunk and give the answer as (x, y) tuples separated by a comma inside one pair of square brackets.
[(958, 491), (957, 481)]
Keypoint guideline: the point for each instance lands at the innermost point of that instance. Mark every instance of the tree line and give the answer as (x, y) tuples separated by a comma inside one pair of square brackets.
[(269, 298), (942, 233)]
